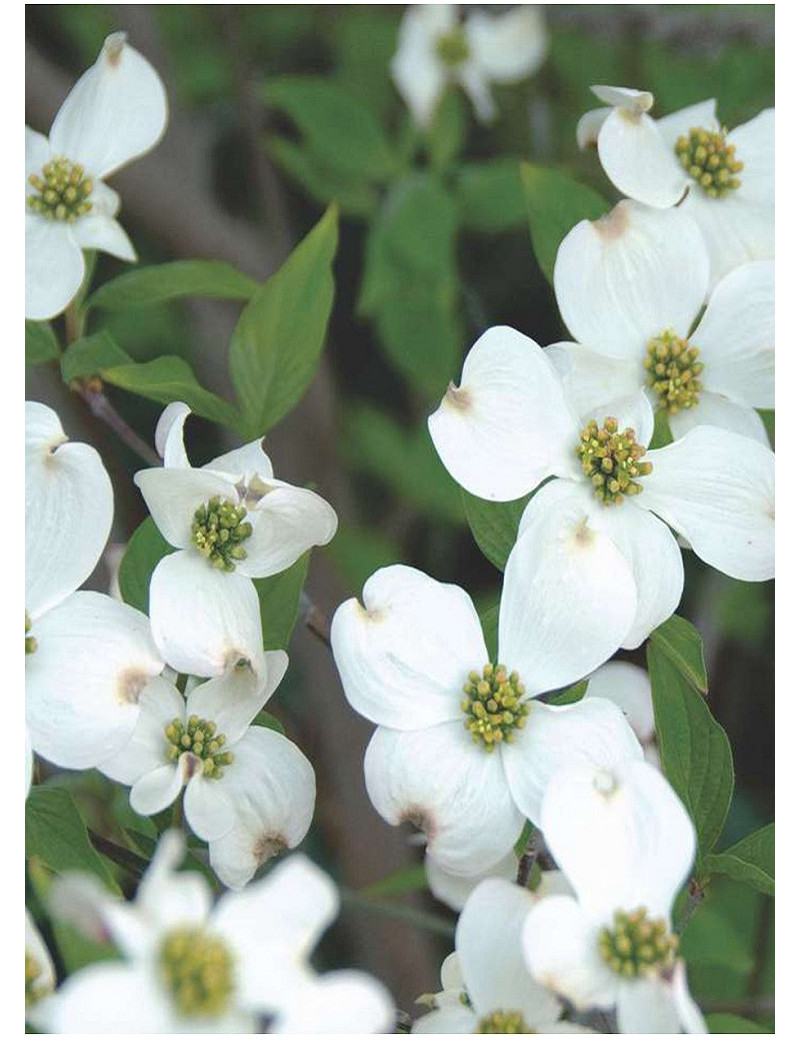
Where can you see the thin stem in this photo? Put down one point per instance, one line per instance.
(177, 813)
(697, 893)
(315, 620)
(415, 918)
(93, 394)
(123, 857)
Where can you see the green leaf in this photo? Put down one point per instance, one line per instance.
(407, 879)
(172, 281)
(269, 722)
(681, 642)
(571, 695)
(695, 752)
(41, 343)
(279, 598)
(419, 225)
(90, 355)
(279, 337)
(494, 525)
(144, 550)
(555, 204)
(489, 195)
(56, 835)
(724, 1022)
(356, 198)
(751, 860)
(358, 551)
(448, 131)
(490, 620)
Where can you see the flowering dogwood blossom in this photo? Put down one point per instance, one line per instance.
(190, 966)
(464, 749)
(510, 425)
(611, 945)
(630, 288)
(724, 181)
(436, 49)
(115, 113)
(454, 889)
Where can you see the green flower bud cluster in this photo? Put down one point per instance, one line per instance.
(200, 737)
(504, 1022)
(453, 47)
(636, 945)
(33, 973)
(672, 370)
(30, 641)
(197, 969)
(493, 705)
(612, 461)
(62, 191)
(709, 160)
(218, 531)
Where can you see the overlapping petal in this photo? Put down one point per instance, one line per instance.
(54, 267)
(509, 46)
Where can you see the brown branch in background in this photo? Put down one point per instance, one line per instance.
(91, 390)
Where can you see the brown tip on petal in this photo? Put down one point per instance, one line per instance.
(614, 224)
(583, 534)
(267, 846)
(130, 685)
(375, 614)
(457, 398)
(114, 46)
(419, 818)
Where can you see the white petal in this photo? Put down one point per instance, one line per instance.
(628, 686)
(116, 111)
(208, 806)
(755, 146)
(510, 46)
(96, 231)
(233, 700)
(560, 946)
(339, 1002)
(172, 496)
(677, 124)
(452, 1020)
(454, 889)
(272, 788)
(475, 83)
(287, 522)
(717, 489)
(418, 73)
(592, 731)
(508, 425)
(636, 160)
(627, 817)
(714, 410)
(82, 685)
(204, 621)
(111, 998)
(451, 789)
(157, 789)
(159, 703)
(245, 463)
(589, 125)
(169, 435)
(168, 898)
(54, 267)
(629, 98)
(634, 411)
(689, 1014)
(37, 153)
(736, 336)
(489, 945)
(568, 594)
(105, 202)
(736, 229)
(404, 656)
(69, 506)
(625, 278)
(81, 900)
(591, 379)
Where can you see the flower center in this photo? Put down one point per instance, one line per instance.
(494, 706)
(504, 1022)
(611, 459)
(672, 370)
(453, 47)
(218, 531)
(197, 969)
(33, 973)
(62, 191)
(709, 160)
(637, 945)
(30, 641)
(200, 737)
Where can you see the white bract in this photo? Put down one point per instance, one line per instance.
(628, 686)
(630, 288)
(724, 181)
(454, 889)
(248, 790)
(510, 425)
(611, 945)
(436, 49)
(115, 113)
(487, 987)
(190, 966)
(464, 749)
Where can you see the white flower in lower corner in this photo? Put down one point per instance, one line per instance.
(190, 966)
(486, 986)
(40, 974)
(454, 889)
(464, 749)
(612, 945)
(510, 425)
(436, 49)
(628, 686)
(115, 113)
(249, 791)
(726, 181)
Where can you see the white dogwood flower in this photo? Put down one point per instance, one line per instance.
(487, 987)
(115, 113)
(628, 686)
(454, 889)
(464, 749)
(724, 181)
(435, 49)
(190, 966)
(248, 790)
(612, 945)
(509, 426)
(630, 288)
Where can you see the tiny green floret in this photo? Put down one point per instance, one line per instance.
(710, 160)
(673, 368)
(218, 531)
(30, 641)
(453, 47)
(62, 191)
(200, 737)
(637, 945)
(197, 969)
(493, 705)
(504, 1022)
(611, 459)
